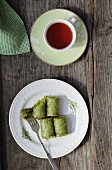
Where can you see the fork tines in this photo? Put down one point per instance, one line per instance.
(31, 120)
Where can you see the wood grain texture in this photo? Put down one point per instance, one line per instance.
(91, 75)
(102, 46)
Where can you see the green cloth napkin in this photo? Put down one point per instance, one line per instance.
(13, 36)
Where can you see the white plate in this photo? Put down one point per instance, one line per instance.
(77, 122)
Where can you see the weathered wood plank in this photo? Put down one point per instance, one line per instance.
(102, 46)
(1, 156)
(0, 121)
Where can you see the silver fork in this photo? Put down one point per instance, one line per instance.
(35, 127)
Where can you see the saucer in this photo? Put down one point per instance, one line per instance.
(50, 56)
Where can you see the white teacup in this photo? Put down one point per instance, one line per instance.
(69, 23)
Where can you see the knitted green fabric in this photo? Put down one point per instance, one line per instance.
(13, 36)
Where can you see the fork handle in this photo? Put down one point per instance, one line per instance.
(48, 155)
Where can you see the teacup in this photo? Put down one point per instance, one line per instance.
(60, 34)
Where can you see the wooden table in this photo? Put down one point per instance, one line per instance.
(91, 75)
